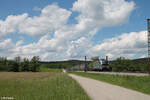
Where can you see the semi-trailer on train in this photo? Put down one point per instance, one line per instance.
(95, 64)
(100, 64)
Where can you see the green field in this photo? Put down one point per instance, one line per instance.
(138, 83)
(45, 69)
(40, 86)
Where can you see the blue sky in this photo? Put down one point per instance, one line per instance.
(128, 20)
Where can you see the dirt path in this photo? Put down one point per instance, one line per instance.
(98, 90)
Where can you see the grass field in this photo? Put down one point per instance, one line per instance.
(138, 83)
(40, 86)
(45, 69)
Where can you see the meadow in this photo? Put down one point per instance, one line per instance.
(40, 86)
(45, 69)
(138, 83)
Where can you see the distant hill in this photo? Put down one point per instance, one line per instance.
(61, 64)
(141, 60)
(71, 63)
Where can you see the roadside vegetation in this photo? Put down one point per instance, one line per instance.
(40, 86)
(25, 65)
(34, 65)
(138, 83)
(20, 65)
(126, 65)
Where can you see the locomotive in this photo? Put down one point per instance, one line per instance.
(100, 64)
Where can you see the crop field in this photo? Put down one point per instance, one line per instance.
(40, 86)
(138, 83)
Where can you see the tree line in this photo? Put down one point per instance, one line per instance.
(126, 65)
(20, 65)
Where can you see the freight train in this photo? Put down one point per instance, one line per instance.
(97, 65)
(101, 65)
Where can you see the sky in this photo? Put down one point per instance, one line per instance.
(71, 29)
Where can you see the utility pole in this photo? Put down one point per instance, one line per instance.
(148, 30)
(85, 68)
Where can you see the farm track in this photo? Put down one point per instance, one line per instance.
(98, 90)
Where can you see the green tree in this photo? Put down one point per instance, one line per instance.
(13, 66)
(121, 65)
(25, 65)
(3, 64)
(35, 66)
(17, 64)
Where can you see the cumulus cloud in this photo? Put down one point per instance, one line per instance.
(95, 14)
(11, 24)
(6, 44)
(127, 44)
(52, 17)
(19, 42)
(75, 40)
(79, 48)
(6, 47)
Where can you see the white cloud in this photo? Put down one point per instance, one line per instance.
(52, 18)
(6, 44)
(19, 42)
(110, 55)
(70, 41)
(95, 14)
(79, 48)
(6, 47)
(11, 24)
(127, 44)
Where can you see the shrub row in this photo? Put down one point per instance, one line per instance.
(20, 65)
(125, 65)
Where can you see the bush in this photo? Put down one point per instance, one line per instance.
(125, 65)
(3, 64)
(25, 65)
(13, 66)
(35, 66)
(18, 65)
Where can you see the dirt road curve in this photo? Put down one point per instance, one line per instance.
(98, 90)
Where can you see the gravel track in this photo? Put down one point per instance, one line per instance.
(98, 90)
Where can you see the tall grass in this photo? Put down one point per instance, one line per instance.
(138, 83)
(53, 87)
